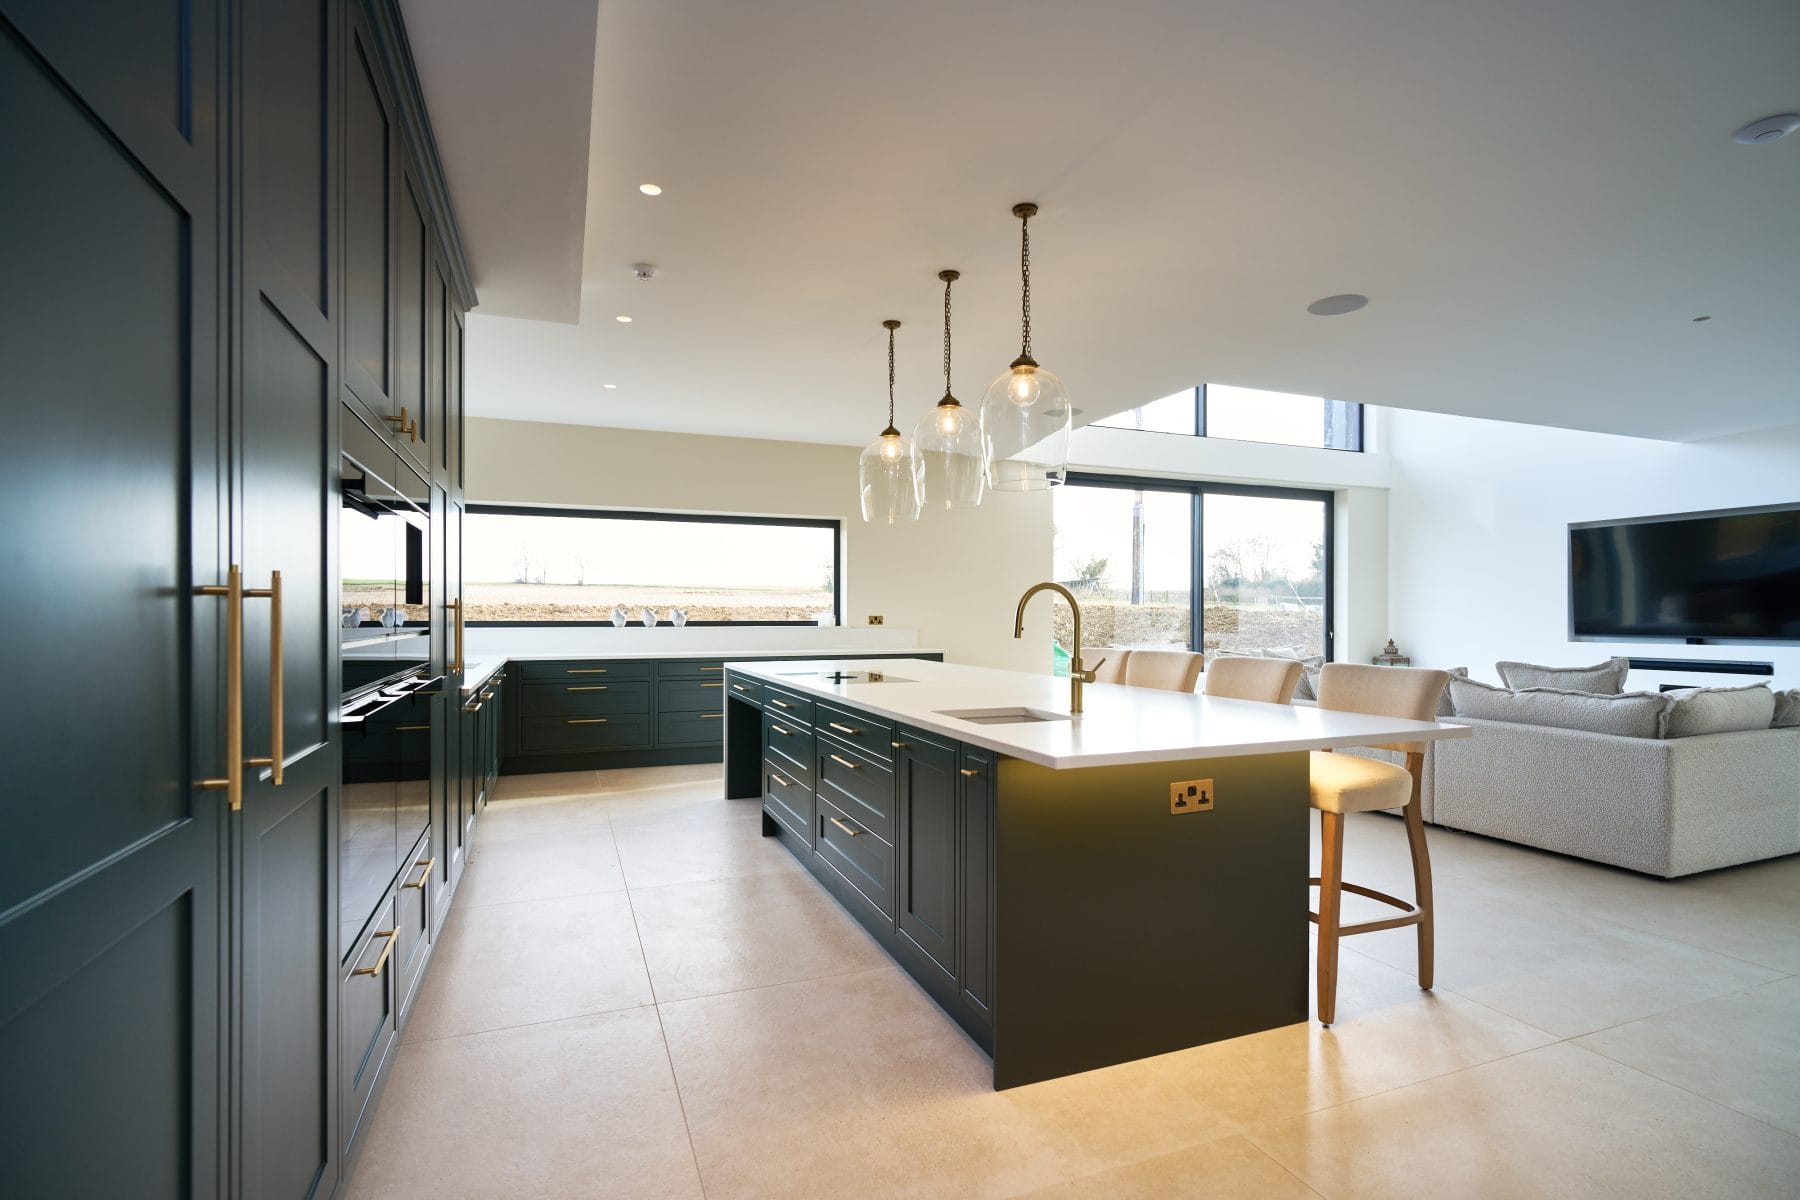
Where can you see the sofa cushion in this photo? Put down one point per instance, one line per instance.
(1633, 714)
(1787, 709)
(1606, 678)
(1720, 710)
(1445, 707)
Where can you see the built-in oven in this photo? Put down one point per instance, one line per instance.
(391, 707)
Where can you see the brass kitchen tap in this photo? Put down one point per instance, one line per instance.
(1078, 674)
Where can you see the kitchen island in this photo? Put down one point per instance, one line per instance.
(1074, 890)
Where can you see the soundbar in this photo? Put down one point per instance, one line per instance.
(1702, 666)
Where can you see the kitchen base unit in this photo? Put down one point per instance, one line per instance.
(1046, 879)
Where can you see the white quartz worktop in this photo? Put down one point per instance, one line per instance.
(1120, 725)
(734, 655)
(477, 671)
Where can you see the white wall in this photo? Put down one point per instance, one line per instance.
(1478, 516)
(955, 577)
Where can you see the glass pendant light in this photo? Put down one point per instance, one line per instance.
(1025, 415)
(948, 452)
(890, 489)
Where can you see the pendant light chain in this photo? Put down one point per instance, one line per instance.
(947, 283)
(1025, 282)
(891, 326)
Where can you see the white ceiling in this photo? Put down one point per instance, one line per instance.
(1537, 196)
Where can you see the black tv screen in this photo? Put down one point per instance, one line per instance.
(1720, 576)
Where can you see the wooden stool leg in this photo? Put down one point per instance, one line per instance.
(1421, 865)
(1331, 895)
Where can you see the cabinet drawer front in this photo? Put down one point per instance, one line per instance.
(788, 800)
(789, 745)
(584, 699)
(412, 916)
(691, 728)
(591, 670)
(538, 734)
(742, 687)
(858, 854)
(366, 1000)
(685, 668)
(869, 734)
(791, 705)
(860, 786)
(691, 695)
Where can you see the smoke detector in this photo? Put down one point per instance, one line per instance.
(1769, 129)
(643, 271)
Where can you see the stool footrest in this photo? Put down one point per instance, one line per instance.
(1413, 915)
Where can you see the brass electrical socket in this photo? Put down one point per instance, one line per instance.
(1191, 795)
(876, 618)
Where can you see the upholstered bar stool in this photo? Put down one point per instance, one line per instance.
(1270, 680)
(1170, 670)
(1347, 783)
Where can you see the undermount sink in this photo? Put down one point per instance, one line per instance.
(1001, 716)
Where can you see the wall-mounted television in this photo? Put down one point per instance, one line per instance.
(1728, 576)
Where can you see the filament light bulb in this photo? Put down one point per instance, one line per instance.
(1023, 388)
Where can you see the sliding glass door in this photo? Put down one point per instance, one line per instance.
(1196, 565)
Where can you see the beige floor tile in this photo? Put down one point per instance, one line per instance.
(1742, 1050)
(859, 1081)
(654, 854)
(537, 816)
(1561, 971)
(1388, 1033)
(577, 863)
(729, 934)
(547, 784)
(660, 779)
(565, 1110)
(500, 965)
(704, 803)
(1230, 1168)
(1557, 1121)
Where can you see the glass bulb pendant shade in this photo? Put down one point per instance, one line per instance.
(1027, 443)
(951, 457)
(888, 478)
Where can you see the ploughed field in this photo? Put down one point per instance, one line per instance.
(1228, 626)
(595, 602)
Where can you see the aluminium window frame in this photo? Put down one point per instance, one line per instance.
(1199, 489)
(1355, 439)
(531, 510)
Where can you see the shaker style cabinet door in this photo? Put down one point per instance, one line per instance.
(111, 865)
(927, 841)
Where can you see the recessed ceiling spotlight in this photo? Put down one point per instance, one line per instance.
(1769, 129)
(649, 189)
(1697, 320)
(622, 319)
(1337, 306)
(609, 386)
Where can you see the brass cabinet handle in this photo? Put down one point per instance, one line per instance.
(584, 671)
(899, 745)
(845, 762)
(487, 695)
(586, 687)
(401, 424)
(845, 826)
(392, 936)
(968, 772)
(235, 593)
(712, 668)
(456, 607)
(738, 687)
(778, 703)
(774, 778)
(710, 715)
(586, 721)
(844, 729)
(412, 728)
(720, 685)
(473, 708)
(419, 883)
(781, 731)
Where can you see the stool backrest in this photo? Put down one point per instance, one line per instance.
(1170, 670)
(1270, 680)
(1112, 660)
(1406, 692)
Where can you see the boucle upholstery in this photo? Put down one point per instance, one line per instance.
(1270, 680)
(1605, 678)
(1635, 714)
(1664, 807)
(1720, 710)
(1787, 709)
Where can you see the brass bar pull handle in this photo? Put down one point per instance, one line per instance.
(586, 721)
(419, 883)
(412, 729)
(781, 731)
(487, 695)
(711, 715)
(776, 779)
(474, 708)
(845, 826)
(718, 685)
(586, 687)
(233, 782)
(584, 671)
(844, 729)
(277, 672)
(845, 763)
(968, 772)
(403, 424)
(899, 745)
(779, 703)
(712, 668)
(738, 687)
(456, 606)
(392, 936)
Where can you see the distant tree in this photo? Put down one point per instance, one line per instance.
(522, 565)
(1090, 576)
(580, 563)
